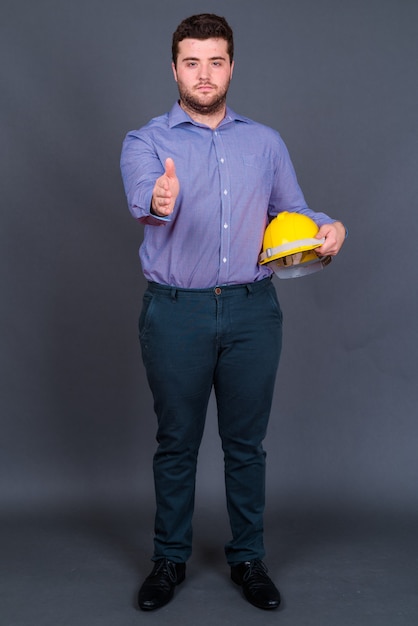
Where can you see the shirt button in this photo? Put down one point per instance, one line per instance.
(222, 160)
(224, 259)
(225, 225)
(225, 192)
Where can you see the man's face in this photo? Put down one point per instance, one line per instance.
(203, 72)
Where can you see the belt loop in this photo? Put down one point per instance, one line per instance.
(249, 289)
(173, 294)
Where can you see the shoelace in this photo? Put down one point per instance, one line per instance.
(257, 568)
(165, 569)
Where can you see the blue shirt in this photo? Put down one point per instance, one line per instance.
(233, 181)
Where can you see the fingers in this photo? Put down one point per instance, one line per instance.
(162, 202)
(334, 238)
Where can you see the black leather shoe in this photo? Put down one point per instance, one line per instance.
(158, 588)
(258, 588)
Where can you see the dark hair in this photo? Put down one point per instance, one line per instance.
(203, 26)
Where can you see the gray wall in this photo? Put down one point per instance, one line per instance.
(338, 79)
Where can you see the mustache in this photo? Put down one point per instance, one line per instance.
(205, 83)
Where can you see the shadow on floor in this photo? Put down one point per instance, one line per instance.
(84, 568)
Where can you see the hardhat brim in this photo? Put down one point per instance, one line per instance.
(292, 247)
(299, 269)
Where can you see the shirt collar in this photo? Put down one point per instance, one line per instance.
(178, 116)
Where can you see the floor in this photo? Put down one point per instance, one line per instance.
(332, 570)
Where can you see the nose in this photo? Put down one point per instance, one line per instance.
(204, 72)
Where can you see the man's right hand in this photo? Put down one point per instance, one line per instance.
(166, 190)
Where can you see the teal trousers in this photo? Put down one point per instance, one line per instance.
(227, 339)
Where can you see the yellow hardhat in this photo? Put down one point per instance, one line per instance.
(289, 244)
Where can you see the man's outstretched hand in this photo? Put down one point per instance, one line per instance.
(166, 190)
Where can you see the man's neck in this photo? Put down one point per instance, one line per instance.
(210, 119)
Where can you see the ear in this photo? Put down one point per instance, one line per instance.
(232, 68)
(173, 67)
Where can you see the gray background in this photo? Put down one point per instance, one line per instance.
(338, 79)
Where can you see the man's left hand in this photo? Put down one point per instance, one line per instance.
(334, 238)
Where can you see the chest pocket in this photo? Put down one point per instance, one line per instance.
(258, 161)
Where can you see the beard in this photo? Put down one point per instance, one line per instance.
(199, 105)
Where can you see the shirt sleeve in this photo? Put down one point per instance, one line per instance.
(140, 167)
(287, 194)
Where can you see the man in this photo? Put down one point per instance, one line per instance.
(206, 182)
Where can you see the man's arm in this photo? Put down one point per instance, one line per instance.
(142, 171)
